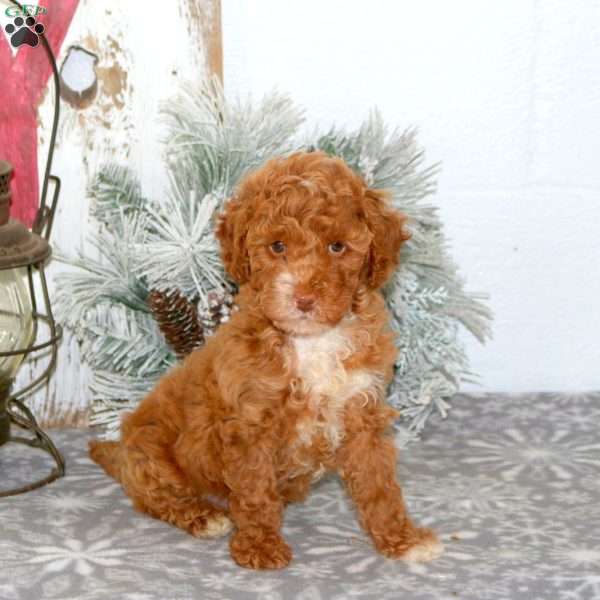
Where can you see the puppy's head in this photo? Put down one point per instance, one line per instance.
(306, 234)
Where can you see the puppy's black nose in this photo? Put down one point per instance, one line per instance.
(305, 302)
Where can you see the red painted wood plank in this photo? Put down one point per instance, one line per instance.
(23, 78)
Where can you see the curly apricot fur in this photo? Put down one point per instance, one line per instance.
(286, 390)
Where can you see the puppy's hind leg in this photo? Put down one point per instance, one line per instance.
(108, 456)
(158, 487)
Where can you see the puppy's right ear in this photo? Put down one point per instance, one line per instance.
(231, 232)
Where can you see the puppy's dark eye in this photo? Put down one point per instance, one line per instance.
(278, 247)
(337, 248)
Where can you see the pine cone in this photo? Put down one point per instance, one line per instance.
(178, 320)
(218, 310)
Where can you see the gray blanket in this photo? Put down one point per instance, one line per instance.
(512, 484)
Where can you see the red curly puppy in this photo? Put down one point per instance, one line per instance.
(293, 385)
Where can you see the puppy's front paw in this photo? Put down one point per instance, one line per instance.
(260, 550)
(412, 545)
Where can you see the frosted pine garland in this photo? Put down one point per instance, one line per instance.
(144, 245)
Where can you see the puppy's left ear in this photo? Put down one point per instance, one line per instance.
(231, 231)
(387, 227)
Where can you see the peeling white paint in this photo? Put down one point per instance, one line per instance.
(142, 57)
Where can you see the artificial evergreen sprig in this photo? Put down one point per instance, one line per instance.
(168, 247)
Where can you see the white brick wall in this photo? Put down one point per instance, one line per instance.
(507, 95)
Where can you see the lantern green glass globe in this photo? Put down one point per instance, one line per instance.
(16, 331)
(16, 321)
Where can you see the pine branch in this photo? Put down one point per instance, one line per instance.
(111, 277)
(212, 143)
(115, 190)
(181, 251)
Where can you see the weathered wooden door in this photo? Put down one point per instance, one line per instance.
(119, 62)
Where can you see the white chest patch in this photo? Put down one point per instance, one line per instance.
(326, 384)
